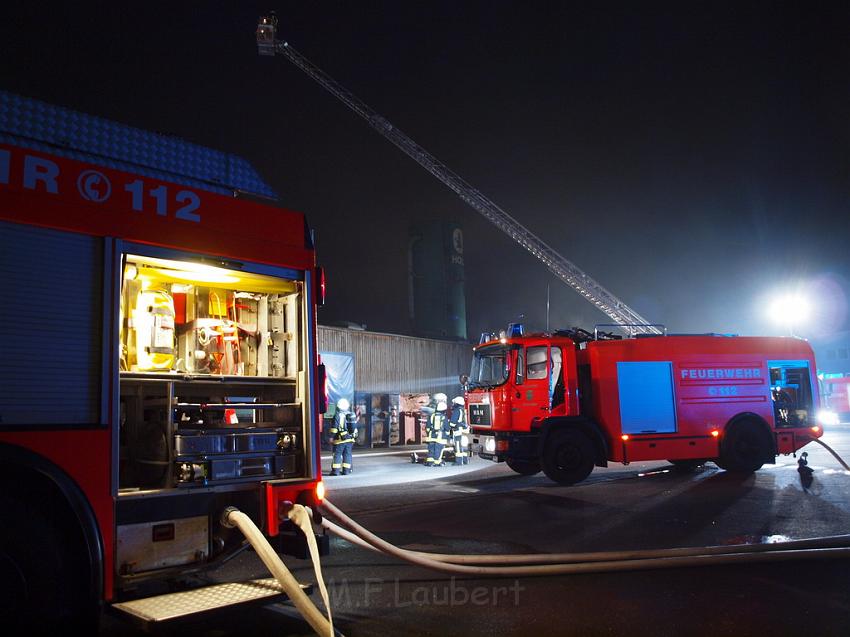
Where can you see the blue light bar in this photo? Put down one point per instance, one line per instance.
(515, 329)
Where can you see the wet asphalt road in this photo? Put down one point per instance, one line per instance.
(485, 508)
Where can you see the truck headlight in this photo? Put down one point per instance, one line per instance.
(490, 444)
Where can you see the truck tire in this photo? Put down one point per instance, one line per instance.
(523, 467)
(41, 590)
(568, 457)
(745, 448)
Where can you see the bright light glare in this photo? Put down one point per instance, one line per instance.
(791, 309)
(827, 417)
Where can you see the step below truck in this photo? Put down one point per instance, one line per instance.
(571, 400)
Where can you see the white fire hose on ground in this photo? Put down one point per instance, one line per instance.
(602, 562)
(530, 565)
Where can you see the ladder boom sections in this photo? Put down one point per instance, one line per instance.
(565, 270)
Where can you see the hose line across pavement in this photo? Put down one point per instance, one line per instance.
(573, 563)
(542, 564)
(528, 565)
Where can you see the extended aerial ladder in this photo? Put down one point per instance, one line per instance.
(568, 272)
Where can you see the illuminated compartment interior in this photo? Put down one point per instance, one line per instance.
(202, 319)
(211, 384)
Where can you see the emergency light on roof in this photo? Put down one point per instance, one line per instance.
(515, 329)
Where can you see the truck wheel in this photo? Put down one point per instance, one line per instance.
(568, 457)
(686, 466)
(523, 467)
(41, 587)
(745, 447)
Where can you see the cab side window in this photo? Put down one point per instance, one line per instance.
(536, 362)
(556, 380)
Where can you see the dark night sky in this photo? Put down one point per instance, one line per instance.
(691, 157)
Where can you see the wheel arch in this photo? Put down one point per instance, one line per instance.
(585, 425)
(27, 475)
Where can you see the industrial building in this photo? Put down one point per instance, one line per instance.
(389, 376)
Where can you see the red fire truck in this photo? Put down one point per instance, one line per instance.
(568, 401)
(159, 365)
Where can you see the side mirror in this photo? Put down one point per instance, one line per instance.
(464, 380)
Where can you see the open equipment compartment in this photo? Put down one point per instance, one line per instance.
(211, 380)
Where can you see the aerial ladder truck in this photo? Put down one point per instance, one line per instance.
(568, 401)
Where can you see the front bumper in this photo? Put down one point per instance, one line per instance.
(498, 446)
(484, 446)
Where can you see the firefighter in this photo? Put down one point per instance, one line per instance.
(343, 434)
(459, 430)
(436, 432)
(428, 410)
(783, 406)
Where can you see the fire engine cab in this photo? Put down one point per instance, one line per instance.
(571, 400)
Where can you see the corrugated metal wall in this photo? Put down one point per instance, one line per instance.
(390, 363)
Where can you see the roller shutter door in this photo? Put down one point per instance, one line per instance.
(51, 311)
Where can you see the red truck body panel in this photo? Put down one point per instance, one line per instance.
(57, 192)
(714, 380)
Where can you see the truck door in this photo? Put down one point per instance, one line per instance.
(531, 400)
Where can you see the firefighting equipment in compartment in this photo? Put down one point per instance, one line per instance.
(435, 435)
(459, 431)
(244, 312)
(215, 346)
(228, 357)
(343, 434)
(153, 321)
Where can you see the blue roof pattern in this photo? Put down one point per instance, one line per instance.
(61, 131)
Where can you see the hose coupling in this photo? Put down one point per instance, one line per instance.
(225, 517)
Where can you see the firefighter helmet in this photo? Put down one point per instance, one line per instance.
(441, 406)
(457, 400)
(440, 397)
(343, 404)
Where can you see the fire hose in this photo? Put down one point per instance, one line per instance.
(538, 564)
(830, 450)
(529, 565)
(601, 562)
(299, 515)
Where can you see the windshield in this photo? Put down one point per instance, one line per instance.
(489, 367)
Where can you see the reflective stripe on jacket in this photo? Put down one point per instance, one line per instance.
(344, 428)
